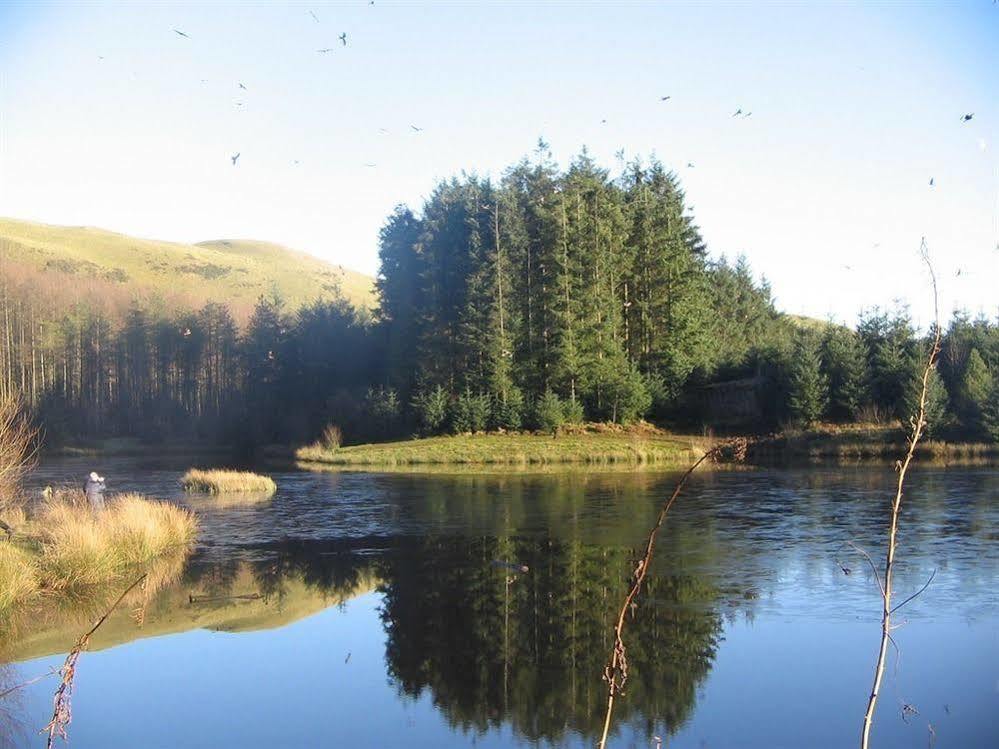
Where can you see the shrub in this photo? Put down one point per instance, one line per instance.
(382, 407)
(572, 411)
(990, 411)
(17, 439)
(508, 413)
(631, 397)
(469, 413)
(331, 438)
(548, 412)
(431, 408)
(220, 482)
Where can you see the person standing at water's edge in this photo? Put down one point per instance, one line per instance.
(94, 489)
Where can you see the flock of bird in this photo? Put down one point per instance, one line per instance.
(323, 51)
(342, 38)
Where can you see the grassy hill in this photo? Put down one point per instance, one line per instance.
(235, 271)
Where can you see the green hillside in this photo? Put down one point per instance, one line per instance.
(235, 271)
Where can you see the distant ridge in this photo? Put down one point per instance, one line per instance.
(234, 271)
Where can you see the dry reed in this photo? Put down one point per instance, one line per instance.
(225, 482)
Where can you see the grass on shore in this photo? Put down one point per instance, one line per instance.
(67, 546)
(864, 442)
(228, 482)
(589, 448)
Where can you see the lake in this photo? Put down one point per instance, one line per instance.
(384, 610)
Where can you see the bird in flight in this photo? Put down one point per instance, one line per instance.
(416, 129)
(665, 98)
(314, 16)
(967, 117)
(383, 131)
(369, 165)
(234, 159)
(737, 112)
(690, 164)
(324, 50)
(931, 181)
(343, 38)
(242, 86)
(748, 114)
(181, 33)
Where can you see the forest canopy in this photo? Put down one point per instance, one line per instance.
(552, 295)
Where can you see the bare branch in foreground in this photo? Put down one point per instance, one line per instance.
(62, 713)
(918, 428)
(616, 671)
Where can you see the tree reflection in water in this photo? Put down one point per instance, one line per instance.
(492, 645)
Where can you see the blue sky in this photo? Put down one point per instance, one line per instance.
(825, 188)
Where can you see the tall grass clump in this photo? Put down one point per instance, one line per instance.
(225, 482)
(80, 547)
(18, 577)
(331, 438)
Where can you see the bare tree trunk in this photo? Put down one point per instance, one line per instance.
(918, 427)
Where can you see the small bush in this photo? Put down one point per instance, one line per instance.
(331, 438)
(548, 412)
(572, 411)
(382, 408)
(469, 413)
(508, 413)
(223, 482)
(431, 408)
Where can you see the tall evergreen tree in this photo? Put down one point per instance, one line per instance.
(808, 387)
(845, 365)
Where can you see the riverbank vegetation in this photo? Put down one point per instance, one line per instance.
(227, 482)
(65, 547)
(589, 447)
(551, 295)
(60, 544)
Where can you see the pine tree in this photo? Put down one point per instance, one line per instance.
(808, 387)
(845, 365)
(990, 411)
(972, 391)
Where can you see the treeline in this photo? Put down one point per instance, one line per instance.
(559, 296)
(550, 296)
(561, 291)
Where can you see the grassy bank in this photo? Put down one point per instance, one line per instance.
(228, 482)
(65, 547)
(863, 442)
(584, 448)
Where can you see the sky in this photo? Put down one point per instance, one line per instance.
(110, 118)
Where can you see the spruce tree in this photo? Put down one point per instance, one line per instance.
(845, 365)
(972, 391)
(808, 387)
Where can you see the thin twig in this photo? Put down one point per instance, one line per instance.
(61, 711)
(925, 586)
(918, 427)
(874, 569)
(616, 671)
(27, 683)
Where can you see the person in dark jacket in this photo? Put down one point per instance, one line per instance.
(94, 489)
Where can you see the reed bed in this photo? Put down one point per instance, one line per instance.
(18, 577)
(79, 547)
(228, 482)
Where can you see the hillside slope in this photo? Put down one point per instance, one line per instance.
(234, 271)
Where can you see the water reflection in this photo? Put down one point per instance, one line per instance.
(491, 644)
(747, 595)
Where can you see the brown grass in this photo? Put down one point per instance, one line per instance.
(79, 547)
(226, 482)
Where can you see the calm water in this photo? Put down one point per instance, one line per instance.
(368, 610)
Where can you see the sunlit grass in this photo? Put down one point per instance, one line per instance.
(80, 547)
(228, 482)
(590, 448)
(18, 577)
